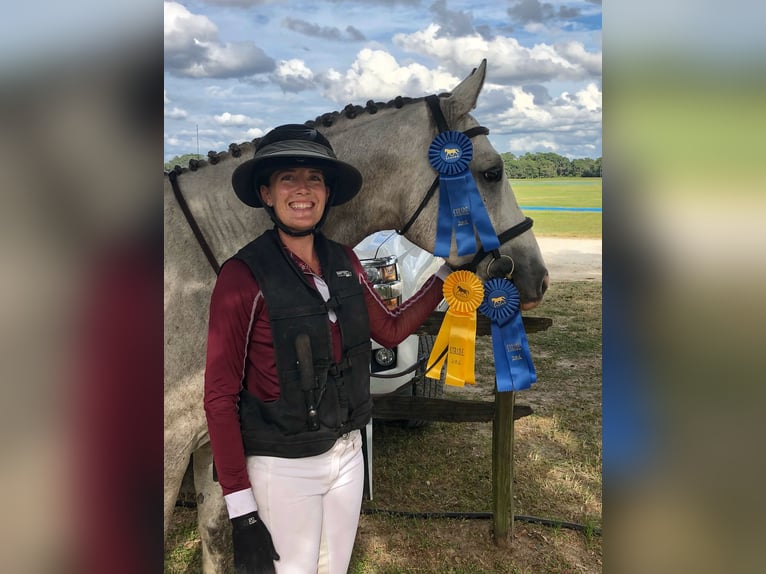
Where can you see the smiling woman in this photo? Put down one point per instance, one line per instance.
(287, 381)
(297, 195)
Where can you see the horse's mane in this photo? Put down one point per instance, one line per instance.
(325, 120)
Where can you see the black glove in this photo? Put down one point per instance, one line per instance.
(254, 552)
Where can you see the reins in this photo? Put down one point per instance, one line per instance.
(199, 236)
(505, 236)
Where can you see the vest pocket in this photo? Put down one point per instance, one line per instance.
(288, 414)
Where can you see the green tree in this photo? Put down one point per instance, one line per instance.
(182, 160)
(562, 165)
(581, 166)
(549, 164)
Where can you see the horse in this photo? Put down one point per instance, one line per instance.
(205, 224)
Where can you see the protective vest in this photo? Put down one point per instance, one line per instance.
(317, 406)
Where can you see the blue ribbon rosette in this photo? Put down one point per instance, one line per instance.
(460, 205)
(514, 370)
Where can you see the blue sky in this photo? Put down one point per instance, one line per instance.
(236, 68)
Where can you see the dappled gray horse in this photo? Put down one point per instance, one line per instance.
(389, 144)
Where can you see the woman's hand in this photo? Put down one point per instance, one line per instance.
(254, 551)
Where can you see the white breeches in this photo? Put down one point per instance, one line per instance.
(311, 505)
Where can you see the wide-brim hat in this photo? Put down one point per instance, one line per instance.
(289, 146)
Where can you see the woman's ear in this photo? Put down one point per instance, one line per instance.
(266, 195)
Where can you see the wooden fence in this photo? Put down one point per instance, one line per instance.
(502, 411)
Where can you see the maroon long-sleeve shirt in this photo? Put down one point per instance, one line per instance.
(240, 348)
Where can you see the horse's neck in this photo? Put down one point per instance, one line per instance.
(389, 149)
(226, 223)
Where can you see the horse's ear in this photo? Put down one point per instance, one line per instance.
(464, 96)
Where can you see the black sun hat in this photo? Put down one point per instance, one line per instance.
(294, 145)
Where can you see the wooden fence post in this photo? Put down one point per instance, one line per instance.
(502, 468)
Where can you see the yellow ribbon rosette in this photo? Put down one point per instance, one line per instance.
(456, 341)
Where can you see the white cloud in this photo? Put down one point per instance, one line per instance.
(293, 76)
(532, 144)
(589, 98)
(182, 28)
(568, 124)
(219, 92)
(175, 114)
(376, 75)
(535, 28)
(456, 53)
(576, 54)
(192, 48)
(227, 119)
(507, 59)
(524, 107)
(253, 133)
(562, 113)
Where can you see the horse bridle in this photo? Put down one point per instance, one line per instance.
(196, 230)
(505, 236)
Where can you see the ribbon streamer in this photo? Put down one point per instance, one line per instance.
(461, 208)
(514, 370)
(457, 335)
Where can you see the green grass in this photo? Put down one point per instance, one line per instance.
(183, 549)
(559, 192)
(562, 192)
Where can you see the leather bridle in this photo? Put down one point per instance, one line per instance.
(196, 230)
(505, 236)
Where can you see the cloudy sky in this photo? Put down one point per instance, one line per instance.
(236, 68)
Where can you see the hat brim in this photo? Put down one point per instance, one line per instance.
(344, 180)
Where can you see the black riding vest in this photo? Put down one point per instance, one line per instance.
(312, 410)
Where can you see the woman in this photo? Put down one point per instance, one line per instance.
(287, 377)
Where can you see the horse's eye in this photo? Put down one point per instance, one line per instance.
(494, 174)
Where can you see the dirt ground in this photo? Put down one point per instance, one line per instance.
(571, 259)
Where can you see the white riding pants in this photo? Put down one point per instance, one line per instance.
(311, 505)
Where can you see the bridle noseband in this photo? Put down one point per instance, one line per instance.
(505, 236)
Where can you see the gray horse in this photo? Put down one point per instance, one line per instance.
(389, 144)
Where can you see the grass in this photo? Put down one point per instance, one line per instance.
(562, 192)
(183, 549)
(445, 467)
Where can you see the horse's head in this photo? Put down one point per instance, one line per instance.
(520, 253)
(392, 153)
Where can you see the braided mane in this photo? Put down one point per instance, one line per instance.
(325, 120)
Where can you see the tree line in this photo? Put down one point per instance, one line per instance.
(549, 164)
(182, 160)
(527, 166)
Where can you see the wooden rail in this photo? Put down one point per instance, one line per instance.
(396, 407)
(502, 412)
(434, 322)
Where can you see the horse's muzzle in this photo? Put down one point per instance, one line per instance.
(526, 306)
